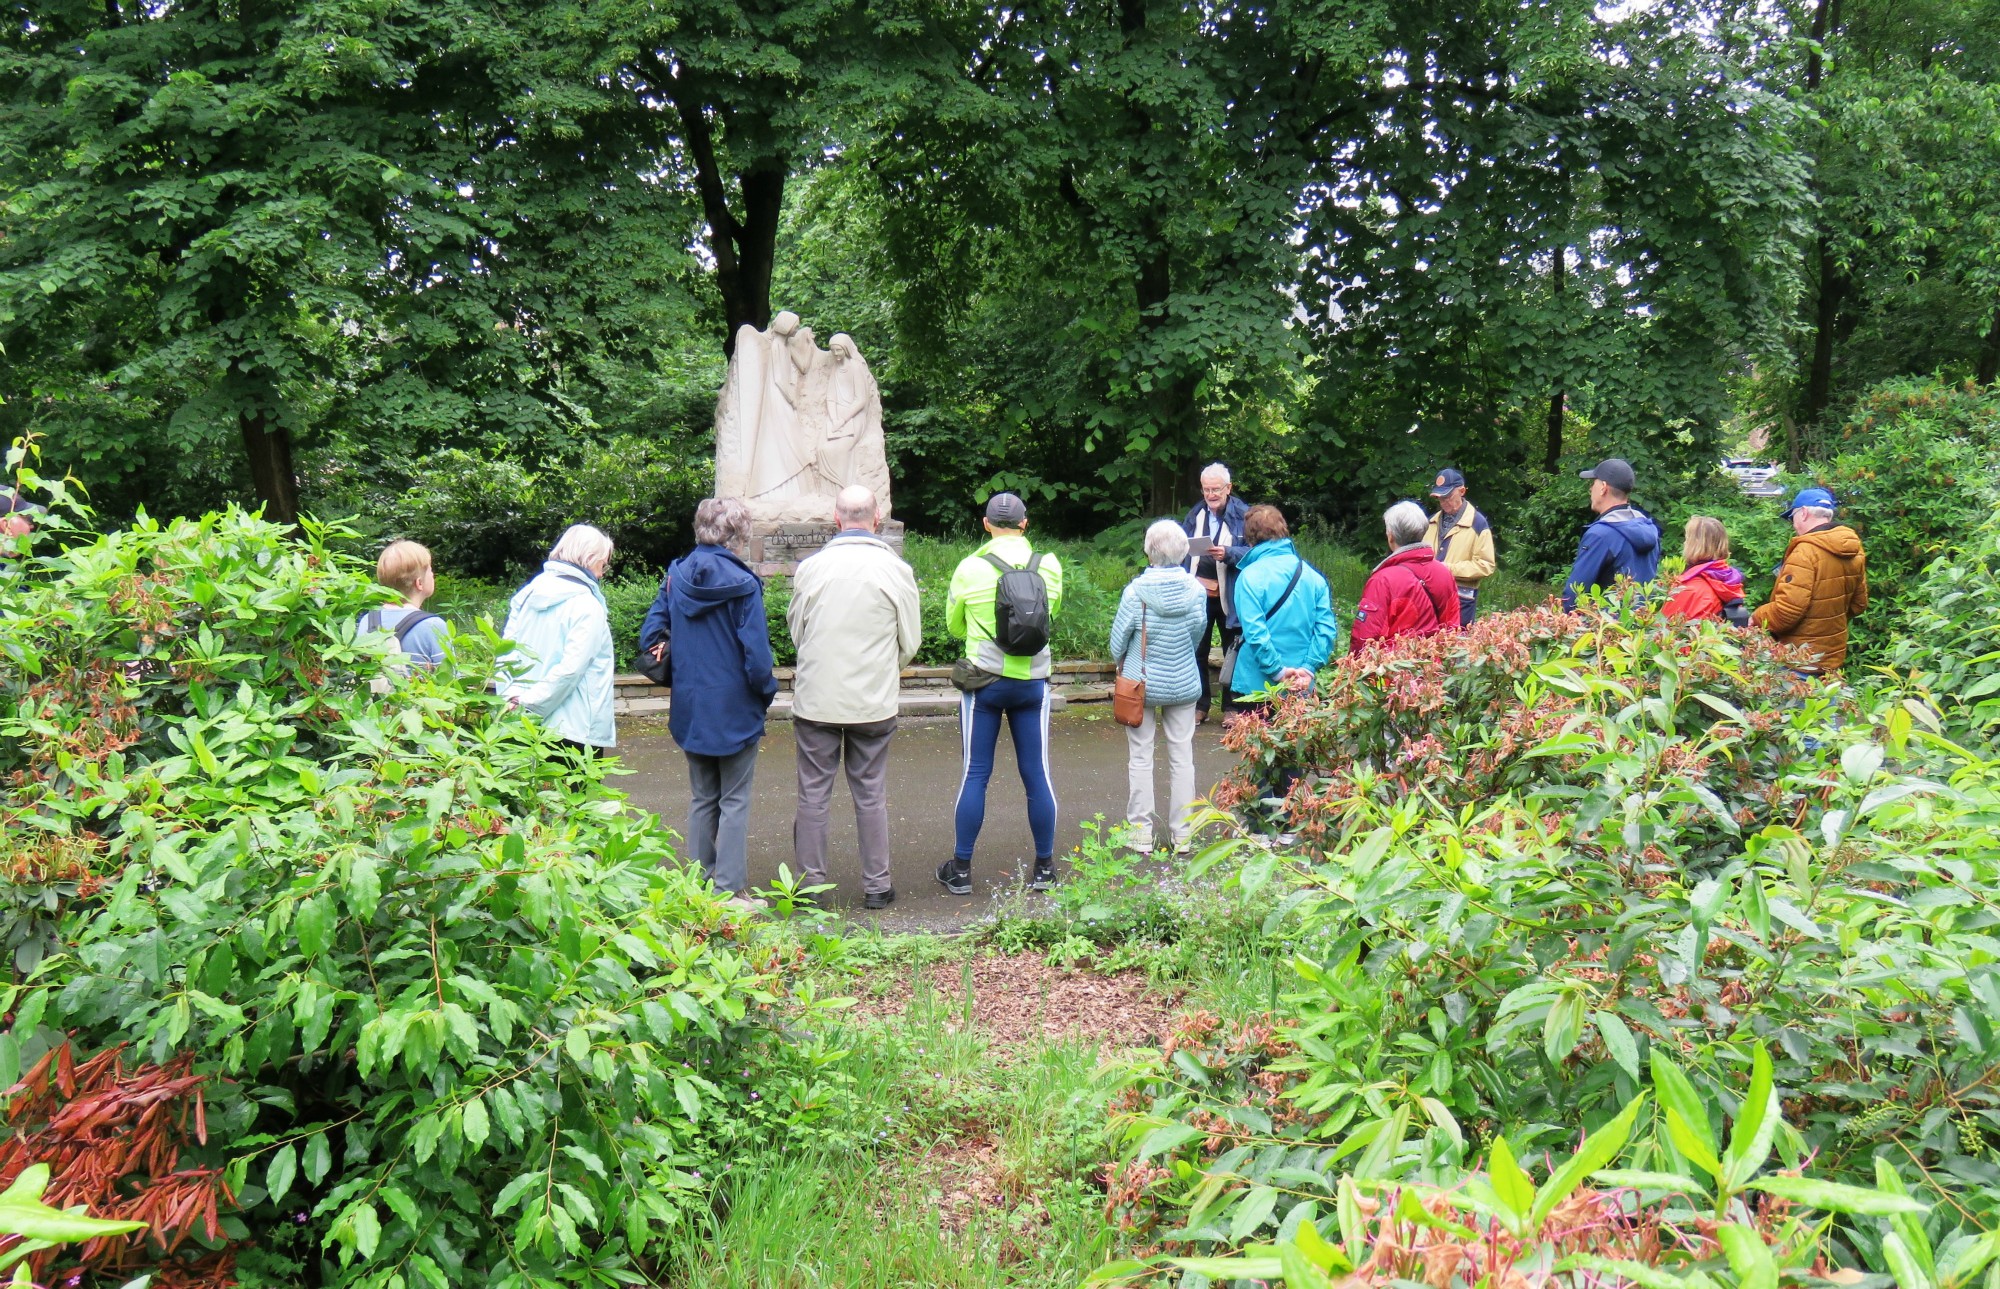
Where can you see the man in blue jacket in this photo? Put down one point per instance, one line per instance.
(1215, 548)
(1623, 541)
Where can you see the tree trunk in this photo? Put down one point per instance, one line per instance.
(1988, 369)
(745, 250)
(1172, 401)
(269, 448)
(1819, 377)
(1552, 448)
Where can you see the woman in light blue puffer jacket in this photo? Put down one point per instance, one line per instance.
(1168, 608)
(562, 633)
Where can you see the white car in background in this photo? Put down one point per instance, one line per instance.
(1756, 478)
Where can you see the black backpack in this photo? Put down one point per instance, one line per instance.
(1020, 608)
(1736, 613)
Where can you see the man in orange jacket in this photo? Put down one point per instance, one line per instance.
(1822, 584)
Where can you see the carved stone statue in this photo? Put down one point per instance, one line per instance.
(796, 423)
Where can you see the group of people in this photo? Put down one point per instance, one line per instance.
(1225, 582)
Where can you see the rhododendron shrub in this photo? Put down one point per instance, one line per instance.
(1584, 704)
(442, 1009)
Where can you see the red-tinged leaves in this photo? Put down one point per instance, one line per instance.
(113, 1140)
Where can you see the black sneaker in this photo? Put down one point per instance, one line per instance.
(1044, 877)
(881, 899)
(956, 875)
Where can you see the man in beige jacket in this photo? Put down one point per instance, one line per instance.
(1463, 541)
(856, 623)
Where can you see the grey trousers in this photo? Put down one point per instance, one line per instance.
(718, 831)
(1177, 724)
(866, 748)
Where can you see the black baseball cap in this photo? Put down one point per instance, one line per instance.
(1007, 510)
(1447, 480)
(1614, 471)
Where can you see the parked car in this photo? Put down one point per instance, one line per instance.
(1756, 478)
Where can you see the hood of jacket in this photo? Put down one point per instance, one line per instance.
(1635, 526)
(559, 582)
(709, 577)
(1839, 540)
(1717, 571)
(1170, 592)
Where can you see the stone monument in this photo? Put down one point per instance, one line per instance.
(793, 426)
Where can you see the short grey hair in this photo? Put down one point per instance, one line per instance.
(722, 521)
(1406, 523)
(1818, 514)
(1166, 543)
(1215, 469)
(855, 504)
(584, 546)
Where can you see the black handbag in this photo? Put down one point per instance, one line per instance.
(660, 671)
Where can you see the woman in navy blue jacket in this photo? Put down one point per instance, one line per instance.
(720, 652)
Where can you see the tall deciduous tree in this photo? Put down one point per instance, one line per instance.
(250, 221)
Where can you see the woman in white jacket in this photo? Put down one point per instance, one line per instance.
(561, 631)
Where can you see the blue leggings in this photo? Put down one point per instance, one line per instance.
(1025, 705)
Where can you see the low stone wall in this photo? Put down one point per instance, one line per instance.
(926, 690)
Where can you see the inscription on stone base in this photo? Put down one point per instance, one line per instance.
(775, 549)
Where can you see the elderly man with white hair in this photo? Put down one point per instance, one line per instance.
(1162, 620)
(856, 623)
(561, 631)
(1215, 547)
(1410, 593)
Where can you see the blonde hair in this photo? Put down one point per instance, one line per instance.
(1706, 539)
(582, 546)
(402, 565)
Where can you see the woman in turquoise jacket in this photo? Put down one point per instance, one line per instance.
(1285, 609)
(562, 636)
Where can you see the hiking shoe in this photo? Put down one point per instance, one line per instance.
(1044, 877)
(746, 904)
(956, 876)
(883, 899)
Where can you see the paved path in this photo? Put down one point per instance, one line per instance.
(1088, 757)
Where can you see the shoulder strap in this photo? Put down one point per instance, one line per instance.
(1290, 586)
(371, 620)
(404, 627)
(1001, 564)
(1035, 563)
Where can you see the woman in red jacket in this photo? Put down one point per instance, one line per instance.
(1710, 588)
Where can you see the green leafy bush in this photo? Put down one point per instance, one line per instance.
(1951, 642)
(1543, 861)
(469, 1021)
(490, 517)
(1916, 475)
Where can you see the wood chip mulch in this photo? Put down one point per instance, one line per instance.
(1021, 999)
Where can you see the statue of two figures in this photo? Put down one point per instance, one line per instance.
(796, 423)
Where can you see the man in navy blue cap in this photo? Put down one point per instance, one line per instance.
(1622, 542)
(1463, 541)
(1821, 585)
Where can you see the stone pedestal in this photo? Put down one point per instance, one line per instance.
(775, 549)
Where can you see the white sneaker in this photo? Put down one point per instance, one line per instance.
(747, 903)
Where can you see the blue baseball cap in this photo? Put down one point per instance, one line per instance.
(1817, 498)
(1446, 481)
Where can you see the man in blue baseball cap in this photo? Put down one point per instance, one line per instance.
(1463, 541)
(1821, 585)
